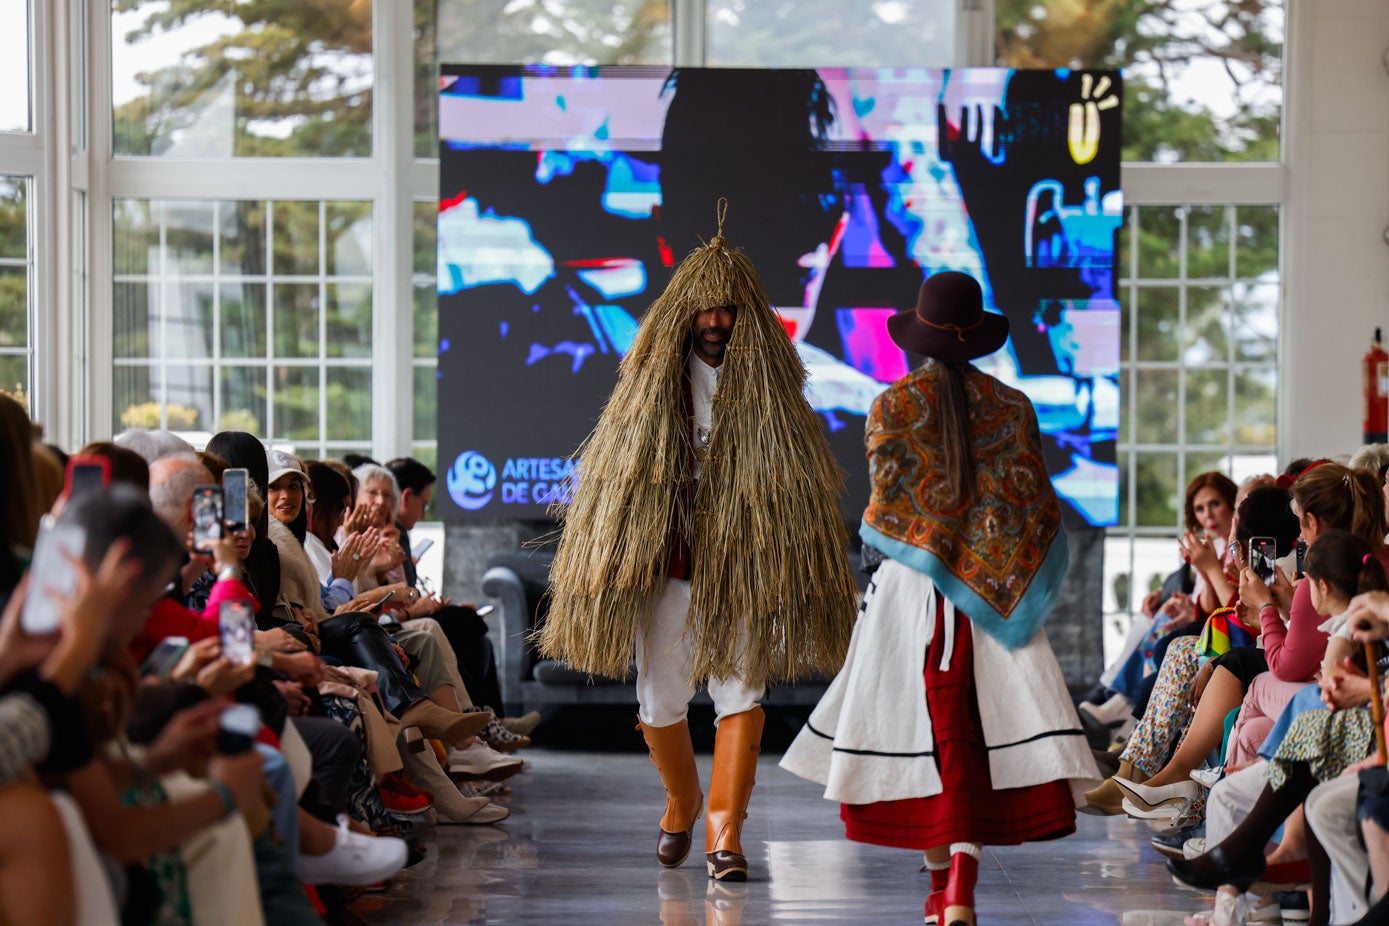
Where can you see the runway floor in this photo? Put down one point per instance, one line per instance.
(578, 849)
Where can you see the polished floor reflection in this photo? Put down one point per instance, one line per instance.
(578, 849)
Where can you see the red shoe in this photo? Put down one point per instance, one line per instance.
(933, 902)
(400, 796)
(957, 900)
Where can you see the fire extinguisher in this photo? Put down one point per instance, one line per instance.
(1375, 373)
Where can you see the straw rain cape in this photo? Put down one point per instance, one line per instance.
(767, 540)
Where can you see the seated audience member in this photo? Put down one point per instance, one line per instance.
(1374, 458)
(355, 638)
(152, 444)
(1223, 679)
(465, 630)
(1210, 504)
(244, 451)
(127, 466)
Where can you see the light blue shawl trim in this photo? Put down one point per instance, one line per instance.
(1032, 610)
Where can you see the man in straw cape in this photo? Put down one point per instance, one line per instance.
(704, 538)
(950, 726)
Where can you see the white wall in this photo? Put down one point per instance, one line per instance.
(1336, 260)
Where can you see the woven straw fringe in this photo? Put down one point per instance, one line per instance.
(768, 542)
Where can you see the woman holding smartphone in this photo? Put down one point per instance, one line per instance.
(355, 638)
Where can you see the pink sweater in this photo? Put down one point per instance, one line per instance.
(1295, 650)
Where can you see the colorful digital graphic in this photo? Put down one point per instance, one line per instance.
(568, 194)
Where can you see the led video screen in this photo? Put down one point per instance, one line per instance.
(568, 194)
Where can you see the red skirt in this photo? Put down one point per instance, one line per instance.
(968, 809)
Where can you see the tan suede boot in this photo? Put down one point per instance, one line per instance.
(673, 755)
(736, 745)
(1107, 800)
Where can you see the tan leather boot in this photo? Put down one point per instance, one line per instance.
(673, 755)
(736, 745)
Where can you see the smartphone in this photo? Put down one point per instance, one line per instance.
(84, 474)
(238, 627)
(376, 605)
(237, 728)
(1301, 555)
(207, 517)
(51, 577)
(419, 549)
(234, 511)
(1263, 553)
(165, 655)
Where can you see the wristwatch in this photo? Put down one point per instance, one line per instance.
(265, 657)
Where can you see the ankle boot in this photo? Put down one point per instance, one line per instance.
(957, 902)
(439, 723)
(1107, 800)
(736, 746)
(673, 755)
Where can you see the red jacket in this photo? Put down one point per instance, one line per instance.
(169, 618)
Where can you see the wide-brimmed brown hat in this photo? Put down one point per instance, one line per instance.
(949, 322)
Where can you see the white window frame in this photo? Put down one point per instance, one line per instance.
(71, 208)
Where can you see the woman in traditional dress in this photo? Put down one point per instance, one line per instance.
(968, 529)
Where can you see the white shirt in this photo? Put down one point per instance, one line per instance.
(320, 557)
(704, 382)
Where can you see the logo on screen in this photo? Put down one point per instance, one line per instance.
(471, 480)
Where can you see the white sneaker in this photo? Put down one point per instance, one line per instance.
(482, 761)
(355, 860)
(482, 788)
(490, 812)
(1111, 713)
(1207, 777)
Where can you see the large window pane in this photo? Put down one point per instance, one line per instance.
(349, 320)
(135, 319)
(1159, 490)
(296, 238)
(14, 377)
(1158, 313)
(254, 78)
(242, 400)
(1157, 406)
(296, 320)
(1203, 81)
(136, 233)
(297, 415)
(560, 33)
(821, 33)
(134, 401)
(426, 402)
(14, 227)
(243, 319)
(348, 404)
(14, 306)
(426, 79)
(14, 67)
(189, 323)
(207, 339)
(426, 294)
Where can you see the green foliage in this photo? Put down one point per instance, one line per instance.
(554, 31)
(298, 73)
(1155, 41)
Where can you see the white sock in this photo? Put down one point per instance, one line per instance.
(966, 848)
(935, 866)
